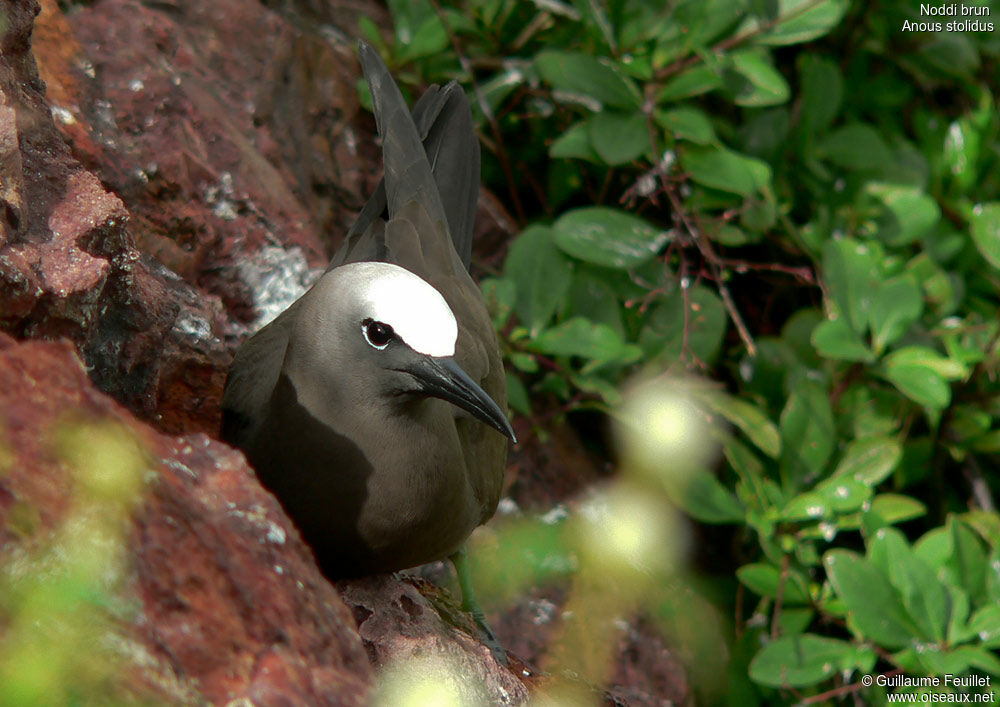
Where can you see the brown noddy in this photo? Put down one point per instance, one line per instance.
(374, 406)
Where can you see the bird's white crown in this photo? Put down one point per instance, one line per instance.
(416, 311)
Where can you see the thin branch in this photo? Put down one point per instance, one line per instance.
(715, 264)
(500, 150)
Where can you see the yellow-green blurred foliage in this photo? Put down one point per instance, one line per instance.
(431, 680)
(623, 549)
(60, 589)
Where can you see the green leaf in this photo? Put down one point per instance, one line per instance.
(496, 89)
(687, 123)
(517, 395)
(822, 91)
(924, 597)
(794, 621)
(798, 21)
(763, 85)
(765, 579)
(581, 337)
(854, 146)
(872, 603)
(799, 661)
(895, 508)
(708, 501)
(758, 214)
(951, 55)
(851, 275)
(844, 495)
(500, 295)
(962, 147)
(576, 72)
(870, 460)
(929, 358)
(910, 213)
(591, 296)
(695, 81)
(726, 170)
(524, 362)
(806, 507)
(754, 423)
(985, 226)
(575, 144)
(985, 625)
(619, 138)
(609, 394)
(968, 560)
(834, 338)
(542, 275)
(662, 337)
(921, 384)
(957, 661)
(419, 31)
(807, 434)
(897, 305)
(608, 237)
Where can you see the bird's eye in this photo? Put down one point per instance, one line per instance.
(376, 333)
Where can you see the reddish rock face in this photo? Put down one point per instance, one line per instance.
(170, 174)
(232, 604)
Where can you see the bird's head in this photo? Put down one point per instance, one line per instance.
(375, 329)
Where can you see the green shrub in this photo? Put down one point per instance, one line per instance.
(798, 198)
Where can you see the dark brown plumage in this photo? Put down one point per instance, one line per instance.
(380, 454)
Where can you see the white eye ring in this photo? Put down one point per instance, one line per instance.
(377, 334)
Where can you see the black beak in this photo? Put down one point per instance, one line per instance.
(444, 378)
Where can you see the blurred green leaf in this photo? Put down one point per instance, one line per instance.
(910, 212)
(985, 227)
(961, 152)
(608, 237)
(895, 508)
(419, 32)
(854, 146)
(924, 597)
(575, 143)
(726, 170)
(844, 494)
(517, 395)
(807, 433)
(695, 81)
(873, 604)
(762, 84)
(705, 499)
(985, 625)
(619, 138)
(663, 335)
(591, 296)
(797, 21)
(896, 306)
(920, 384)
(765, 580)
(580, 73)
(754, 423)
(799, 661)
(805, 507)
(950, 54)
(541, 274)
(834, 338)
(967, 562)
(822, 93)
(851, 274)
(870, 460)
(687, 123)
(501, 296)
(582, 337)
